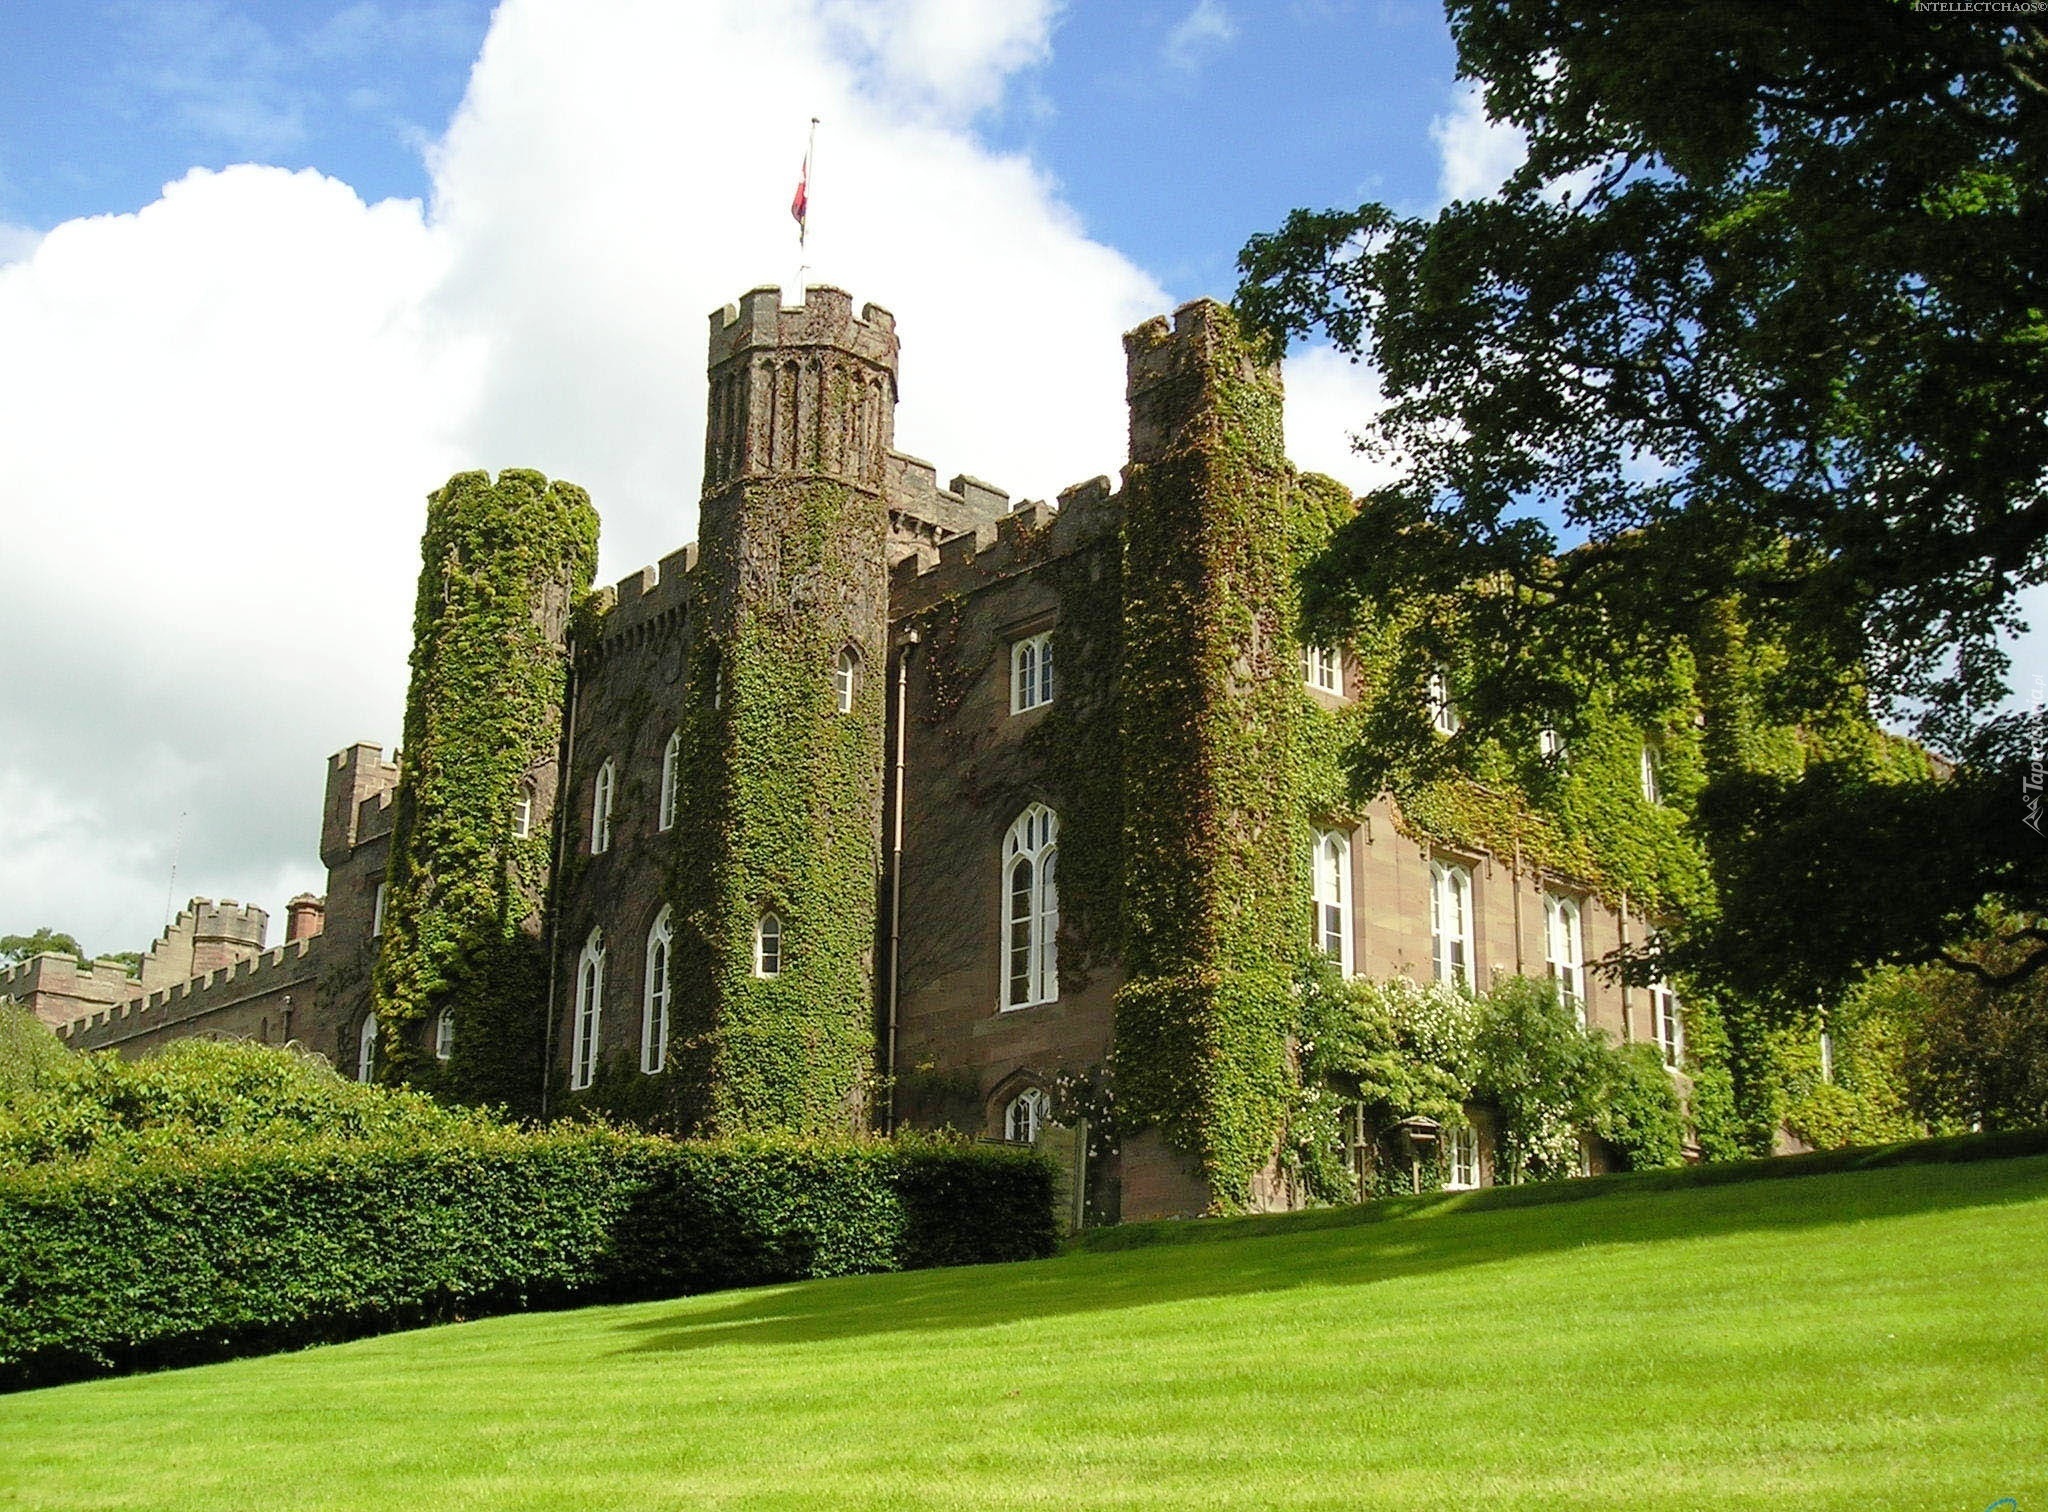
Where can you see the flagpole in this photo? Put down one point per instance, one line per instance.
(803, 220)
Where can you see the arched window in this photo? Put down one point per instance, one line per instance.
(654, 997)
(1031, 908)
(1333, 897)
(601, 810)
(366, 1049)
(1443, 714)
(377, 910)
(589, 1004)
(1651, 768)
(1031, 672)
(1565, 948)
(522, 812)
(845, 679)
(1322, 669)
(768, 946)
(1450, 923)
(1026, 1116)
(444, 1034)
(671, 762)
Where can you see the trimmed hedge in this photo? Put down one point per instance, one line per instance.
(243, 1247)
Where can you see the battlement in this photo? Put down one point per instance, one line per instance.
(1170, 370)
(360, 786)
(643, 599)
(1026, 537)
(287, 966)
(69, 975)
(758, 319)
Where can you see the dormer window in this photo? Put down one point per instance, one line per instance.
(1031, 672)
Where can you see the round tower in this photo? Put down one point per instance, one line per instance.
(782, 825)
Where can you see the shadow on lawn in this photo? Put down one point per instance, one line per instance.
(1419, 1238)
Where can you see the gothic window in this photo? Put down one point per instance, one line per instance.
(1565, 950)
(1031, 672)
(444, 1034)
(768, 946)
(601, 810)
(377, 910)
(654, 997)
(589, 1004)
(1651, 768)
(1443, 714)
(1322, 669)
(846, 679)
(1333, 897)
(671, 761)
(1031, 909)
(1667, 1024)
(1450, 923)
(1461, 1157)
(522, 812)
(1026, 1116)
(366, 1049)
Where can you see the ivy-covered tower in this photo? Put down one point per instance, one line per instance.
(460, 981)
(780, 843)
(1210, 704)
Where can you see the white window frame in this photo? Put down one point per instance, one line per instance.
(377, 910)
(1649, 767)
(845, 679)
(654, 995)
(1322, 668)
(1550, 744)
(1461, 1158)
(444, 1034)
(1667, 1022)
(522, 812)
(601, 808)
(768, 953)
(1031, 910)
(1827, 1056)
(366, 1049)
(1451, 954)
(1564, 949)
(1031, 683)
(1443, 714)
(583, 1040)
(671, 765)
(1029, 1111)
(1333, 897)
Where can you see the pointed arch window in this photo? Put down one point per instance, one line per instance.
(366, 1049)
(1026, 1116)
(768, 946)
(1443, 714)
(522, 812)
(846, 680)
(1333, 897)
(671, 763)
(1565, 948)
(1031, 672)
(1031, 909)
(1450, 923)
(654, 996)
(601, 809)
(589, 1005)
(444, 1034)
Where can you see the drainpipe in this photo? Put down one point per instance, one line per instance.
(555, 848)
(903, 650)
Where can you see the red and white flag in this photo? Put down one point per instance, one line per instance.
(800, 204)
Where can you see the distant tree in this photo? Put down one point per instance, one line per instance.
(1973, 1053)
(20, 947)
(1763, 320)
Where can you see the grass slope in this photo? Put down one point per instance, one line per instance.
(1869, 1339)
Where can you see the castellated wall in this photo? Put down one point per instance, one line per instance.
(268, 998)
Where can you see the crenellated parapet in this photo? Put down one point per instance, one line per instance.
(641, 605)
(1026, 537)
(286, 972)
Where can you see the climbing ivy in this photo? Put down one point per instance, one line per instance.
(501, 563)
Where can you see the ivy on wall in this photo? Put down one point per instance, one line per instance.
(501, 563)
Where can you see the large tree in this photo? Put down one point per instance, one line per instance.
(1760, 332)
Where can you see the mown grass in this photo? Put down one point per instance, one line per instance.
(1873, 1338)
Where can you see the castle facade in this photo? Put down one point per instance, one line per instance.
(896, 803)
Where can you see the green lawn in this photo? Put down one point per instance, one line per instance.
(1873, 1339)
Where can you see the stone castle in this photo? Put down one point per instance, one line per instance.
(947, 687)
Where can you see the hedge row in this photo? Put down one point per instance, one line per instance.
(241, 1248)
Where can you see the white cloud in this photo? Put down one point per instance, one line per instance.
(1475, 154)
(1198, 36)
(224, 411)
(1330, 401)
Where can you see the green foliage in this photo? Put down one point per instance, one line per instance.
(1544, 1075)
(779, 798)
(1209, 708)
(102, 1107)
(501, 563)
(43, 941)
(1754, 321)
(226, 1246)
(1973, 1052)
(1640, 1117)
